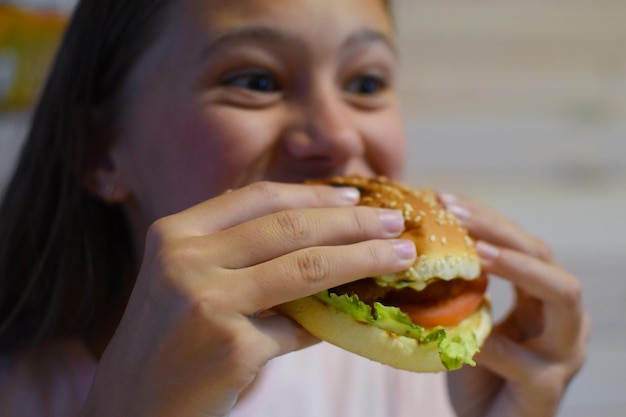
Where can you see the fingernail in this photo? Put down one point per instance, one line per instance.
(486, 250)
(262, 314)
(460, 212)
(350, 194)
(447, 198)
(392, 221)
(405, 249)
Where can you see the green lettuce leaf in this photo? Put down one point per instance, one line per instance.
(455, 347)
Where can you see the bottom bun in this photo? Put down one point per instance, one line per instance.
(369, 341)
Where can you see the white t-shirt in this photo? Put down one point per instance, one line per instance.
(325, 381)
(320, 381)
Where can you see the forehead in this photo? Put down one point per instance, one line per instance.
(313, 17)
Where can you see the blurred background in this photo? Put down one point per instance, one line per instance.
(521, 104)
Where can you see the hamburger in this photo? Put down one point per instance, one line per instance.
(432, 317)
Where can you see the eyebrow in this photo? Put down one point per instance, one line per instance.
(254, 33)
(370, 36)
(272, 36)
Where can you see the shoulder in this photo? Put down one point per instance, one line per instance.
(50, 380)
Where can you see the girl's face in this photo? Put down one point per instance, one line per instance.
(234, 92)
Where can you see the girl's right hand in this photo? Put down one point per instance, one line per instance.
(191, 338)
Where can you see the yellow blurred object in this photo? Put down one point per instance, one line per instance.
(28, 41)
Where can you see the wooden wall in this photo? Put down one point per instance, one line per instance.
(519, 82)
(522, 104)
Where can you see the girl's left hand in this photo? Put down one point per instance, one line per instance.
(526, 364)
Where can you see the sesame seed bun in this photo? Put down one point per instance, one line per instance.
(355, 316)
(445, 250)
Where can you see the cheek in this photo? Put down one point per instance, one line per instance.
(222, 145)
(387, 145)
(186, 156)
(240, 137)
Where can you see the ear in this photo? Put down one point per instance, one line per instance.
(102, 178)
(106, 182)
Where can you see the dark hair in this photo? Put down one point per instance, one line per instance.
(64, 253)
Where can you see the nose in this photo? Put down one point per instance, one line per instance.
(325, 131)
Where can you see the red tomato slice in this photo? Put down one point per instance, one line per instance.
(447, 311)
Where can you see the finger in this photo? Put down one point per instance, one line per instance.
(257, 200)
(486, 224)
(286, 334)
(559, 291)
(525, 321)
(521, 365)
(272, 236)
(528, 314)
(542, 280)
(308, 271)
(571, 353)
(530, 378)
(507, 358)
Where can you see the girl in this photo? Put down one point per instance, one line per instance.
(156, 216)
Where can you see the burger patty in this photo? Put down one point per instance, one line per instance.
(367, 289)
(369, 292)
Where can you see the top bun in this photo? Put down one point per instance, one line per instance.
(445, 250)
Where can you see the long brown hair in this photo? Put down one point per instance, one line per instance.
(63, 252)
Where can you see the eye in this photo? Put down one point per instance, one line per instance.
(258, 81)
(366, 85)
